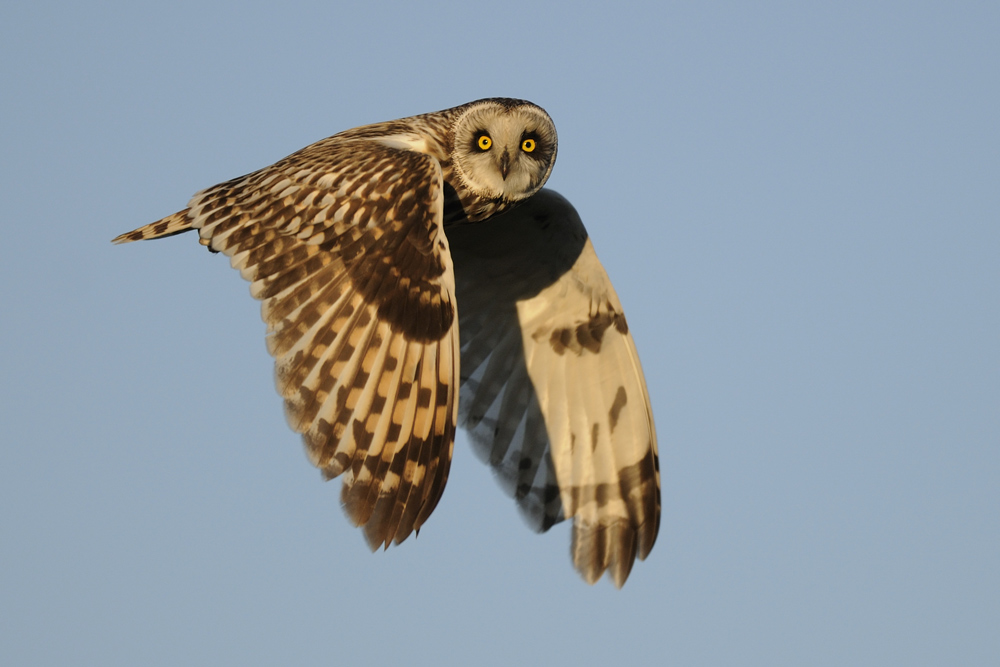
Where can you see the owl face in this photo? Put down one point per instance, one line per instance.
(504, 149)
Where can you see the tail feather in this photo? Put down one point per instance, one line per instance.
(177, 223)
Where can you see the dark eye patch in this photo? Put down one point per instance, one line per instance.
(541, 146)
(476, 136)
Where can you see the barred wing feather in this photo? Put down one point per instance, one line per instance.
(343, 244)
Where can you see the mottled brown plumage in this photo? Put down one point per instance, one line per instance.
(344, 243)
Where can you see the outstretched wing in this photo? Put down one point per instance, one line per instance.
(343, 244)
(552, 392)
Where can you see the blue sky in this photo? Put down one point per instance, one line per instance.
(798, 207)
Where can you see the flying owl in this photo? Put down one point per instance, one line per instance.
(361, 247)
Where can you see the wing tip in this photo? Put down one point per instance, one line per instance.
(178, 223)
(601, 549)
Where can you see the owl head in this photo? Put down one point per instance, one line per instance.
(504, 148)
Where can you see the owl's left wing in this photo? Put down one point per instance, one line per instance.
(343, 244)
(552, 392)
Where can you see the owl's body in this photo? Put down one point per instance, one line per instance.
(344, 243)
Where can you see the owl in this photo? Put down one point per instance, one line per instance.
(361, 247)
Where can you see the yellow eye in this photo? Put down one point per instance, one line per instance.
(528, 145)
(484, 143)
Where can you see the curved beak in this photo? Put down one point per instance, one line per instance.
(505, 164)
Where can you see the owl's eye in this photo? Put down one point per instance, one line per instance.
(528, 145)
(484, 142)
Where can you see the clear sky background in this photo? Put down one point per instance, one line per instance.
(798, 207)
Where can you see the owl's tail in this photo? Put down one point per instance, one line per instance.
(177, 223)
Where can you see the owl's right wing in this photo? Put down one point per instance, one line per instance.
(552, 392)
(343, 244)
